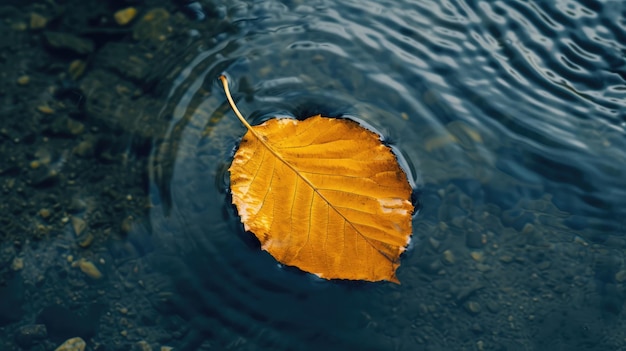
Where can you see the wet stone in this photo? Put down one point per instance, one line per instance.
(483, 267)
(75, 127)
(65, 41)
(85, 240)
(89, 268)
(77, 68)
(44, 213)
(467, 291)
(127, 225)
(506, 259)
(620, 276)
(458, 222)
(124, 16)
(29, 335)
(493, 307)
(544, 265)
(529, 228)
(442, 285)
(46, 110)
(142, 346)
(153, 26)
(23, 80)
(73, 344)
(45, 177)
(79, 225)
(477, 256)
(17, 264)
(76, 205)
(37, 21)
(6, 256)
(65, 127)
(19, 26)
(115, 56)
(84, 148)
(429, 265)
(472, 307)
(434, 243)
(448, 257)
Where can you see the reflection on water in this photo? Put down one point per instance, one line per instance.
(511, 114)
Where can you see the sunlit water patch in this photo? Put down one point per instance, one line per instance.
(510, 116)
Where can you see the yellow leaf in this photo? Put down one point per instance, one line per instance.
(324, 195)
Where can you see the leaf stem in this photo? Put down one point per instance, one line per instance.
(232, 103)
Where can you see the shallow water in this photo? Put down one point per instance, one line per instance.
(510, 115)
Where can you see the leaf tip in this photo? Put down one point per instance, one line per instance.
(394, 279)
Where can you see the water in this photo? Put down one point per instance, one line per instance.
(510, 115)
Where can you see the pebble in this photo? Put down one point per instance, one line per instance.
(77, 68)
(477, 256)
(19, 26)
(480, 345)
(28, 335)
(620, 276)
(528, 229)
(84, 148)
(142, 346)
(17, 264)
(46, 110)
(483, 267)
(86, 240)
(544, 265)
(153, 25)
(434, 243)
(472, 307)
(44, 213)
(37, 21)
(88, 268)
(73, 344)
(506, 259)
(75, 127)
(493, 307)
(443, 226)
(124, 16)
(79, 225)
(466, 291)
(127, 225)
(448, 257)
(59, 40)
(23, 80)
(441, 285)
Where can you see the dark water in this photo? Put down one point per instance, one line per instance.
(511, 116)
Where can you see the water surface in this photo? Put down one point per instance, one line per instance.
(510, 115)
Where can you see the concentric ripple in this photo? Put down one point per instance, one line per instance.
(527, 97)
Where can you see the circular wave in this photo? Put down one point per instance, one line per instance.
(527, 98)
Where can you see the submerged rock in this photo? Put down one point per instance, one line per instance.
(64, 41)
(29, 335)
(73, 344)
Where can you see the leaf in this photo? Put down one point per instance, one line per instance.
(322, 194)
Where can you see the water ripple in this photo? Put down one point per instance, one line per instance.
(506, 92)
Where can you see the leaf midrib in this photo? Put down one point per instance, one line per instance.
(260, 138)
